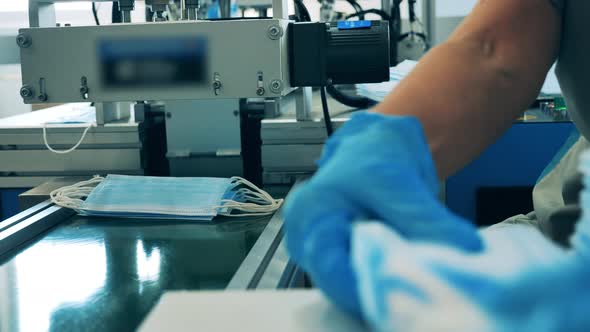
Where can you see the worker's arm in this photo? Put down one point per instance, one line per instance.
(378, 167)
(467, 91)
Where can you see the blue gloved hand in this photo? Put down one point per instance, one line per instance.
(375, 167)
(520, 282)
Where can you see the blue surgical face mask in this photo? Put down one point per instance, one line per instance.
(80, 114)
(165, 197)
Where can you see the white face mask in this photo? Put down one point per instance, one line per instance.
(165, 197)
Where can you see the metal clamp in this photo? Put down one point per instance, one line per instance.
(42, 95)
(260, 84)
(84, 90)
(217, 85)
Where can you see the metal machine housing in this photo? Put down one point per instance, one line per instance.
(245, 58)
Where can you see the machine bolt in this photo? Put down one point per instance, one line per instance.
(276, 86)
(216, 83)
(260, 91)
(42, 97)
(84, 90)
(23, 40)
(274, 32)
(26, 92)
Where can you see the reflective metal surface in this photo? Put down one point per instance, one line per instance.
(91, 274)
(254, 265)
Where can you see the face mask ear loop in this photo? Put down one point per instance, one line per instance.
(246, 195)
(71, 196)
(251, 200)
(73, 148)
(252, 189)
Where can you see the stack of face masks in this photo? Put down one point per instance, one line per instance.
(165, 197)
(378, 91)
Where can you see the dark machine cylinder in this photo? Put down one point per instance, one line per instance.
(344, 52)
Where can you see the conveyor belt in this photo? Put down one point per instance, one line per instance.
(75, 273)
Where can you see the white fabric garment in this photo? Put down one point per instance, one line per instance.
(573, 72)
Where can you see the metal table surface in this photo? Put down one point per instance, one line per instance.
(101, 274)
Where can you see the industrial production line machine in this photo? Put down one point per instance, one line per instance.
(179, 98)
(166, 98)
(211, 82)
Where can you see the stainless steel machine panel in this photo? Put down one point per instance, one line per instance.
(92, 160)
(290, 148)
(122, 136)
(155, 61)
(293, 157)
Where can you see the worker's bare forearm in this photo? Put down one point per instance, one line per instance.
(463, 104)
(467, 91)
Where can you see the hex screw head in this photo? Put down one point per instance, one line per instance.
(276, 86)
(23, 40)
(274, 32)
(26, 92)
(260, 91)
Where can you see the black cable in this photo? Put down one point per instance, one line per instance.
(116, 16)
(414, 19)
(379, 12)
(357, 8)
(395, 32)
(327, 119)
(350, 101)
(95, 13)
(412, 10)
(395, 16)
(420, 35)
(357, 102)
(298, 11)
(297, 16)
(303, 12)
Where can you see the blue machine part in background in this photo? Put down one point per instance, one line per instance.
(9, 202)
(353, 25)
(517, 159)
(213, 10)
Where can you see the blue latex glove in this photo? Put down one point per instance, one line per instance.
(375, 167)
(521, 282)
